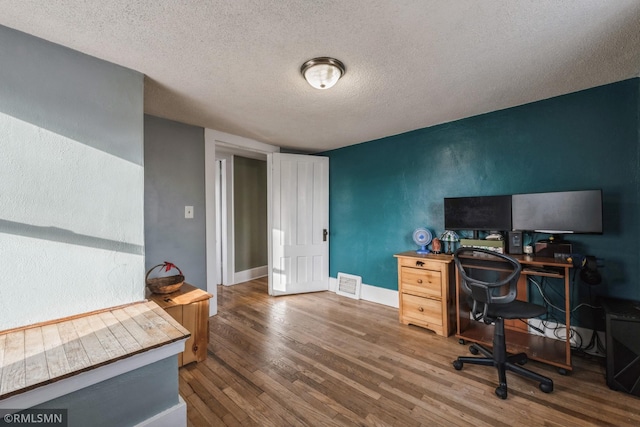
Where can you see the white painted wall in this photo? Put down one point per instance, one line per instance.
(71, 182)
(78, 243)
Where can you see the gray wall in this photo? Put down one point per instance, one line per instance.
(78, 101)
(71, 192)
(125, 400)
(81, 97)
(250, 213)
(71, 181)
(173, 179)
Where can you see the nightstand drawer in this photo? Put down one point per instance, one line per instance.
(426, 283)
(426, 290)
(423, 264)
(425, 311)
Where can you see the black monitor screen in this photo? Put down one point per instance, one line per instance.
(558, 212)
(486, 213)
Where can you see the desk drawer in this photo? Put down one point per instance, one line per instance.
(423, 264)
(427, 283)
(427, 312)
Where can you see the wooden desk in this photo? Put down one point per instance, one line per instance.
(548, 350)
(190, 307)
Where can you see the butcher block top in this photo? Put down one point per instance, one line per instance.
(187, 294)
(41, 354)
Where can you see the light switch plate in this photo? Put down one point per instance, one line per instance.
(188, 212)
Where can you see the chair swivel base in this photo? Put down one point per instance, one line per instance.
(511, 363)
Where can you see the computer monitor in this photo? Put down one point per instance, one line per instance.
(483, 213)
(560, 212)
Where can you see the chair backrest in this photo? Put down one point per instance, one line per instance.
(474, 265)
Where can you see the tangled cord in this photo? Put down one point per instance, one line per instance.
(559, 332)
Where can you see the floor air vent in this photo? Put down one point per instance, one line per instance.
(349, 285)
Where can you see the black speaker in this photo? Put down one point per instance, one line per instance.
(622, 320)
(549, 249)
(514, 246)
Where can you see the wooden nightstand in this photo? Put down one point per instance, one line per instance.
(190, 307)
(426, 291)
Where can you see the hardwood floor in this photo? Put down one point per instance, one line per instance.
(325, 360)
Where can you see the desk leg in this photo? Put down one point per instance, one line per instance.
(567, 308)
(462, 309)
(522, 296)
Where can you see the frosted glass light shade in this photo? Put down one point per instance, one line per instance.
(322, 73)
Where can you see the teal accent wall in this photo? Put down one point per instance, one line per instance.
(380, 191)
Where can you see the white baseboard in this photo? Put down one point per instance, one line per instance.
(246, 275)
(370, 293)
(176, 416)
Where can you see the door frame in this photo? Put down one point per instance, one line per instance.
(221, 219)
(220, 144)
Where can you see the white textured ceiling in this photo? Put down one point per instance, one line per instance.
(233, 65)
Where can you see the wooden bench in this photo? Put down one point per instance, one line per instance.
(37, 356)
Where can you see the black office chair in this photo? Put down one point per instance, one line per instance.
(492, 302)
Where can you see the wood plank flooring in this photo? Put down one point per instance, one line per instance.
(324, 360)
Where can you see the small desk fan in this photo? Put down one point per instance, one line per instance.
(422, 237)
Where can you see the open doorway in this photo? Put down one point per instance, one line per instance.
(220, 151)
(241, 218)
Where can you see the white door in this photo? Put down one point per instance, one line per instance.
(299, 224)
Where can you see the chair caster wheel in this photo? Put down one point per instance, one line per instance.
(522, 362)
(461, 341)
(501, 392)
(457, 364)
(546, 388)
(563, 371)
(473, 350)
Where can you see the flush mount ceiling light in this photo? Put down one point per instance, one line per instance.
(322, 73)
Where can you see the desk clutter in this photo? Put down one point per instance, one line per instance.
(489, 245)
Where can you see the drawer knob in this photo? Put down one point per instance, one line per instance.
(420, 309)
(419, 280)
(419, 263)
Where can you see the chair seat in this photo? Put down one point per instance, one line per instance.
(516, 310)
